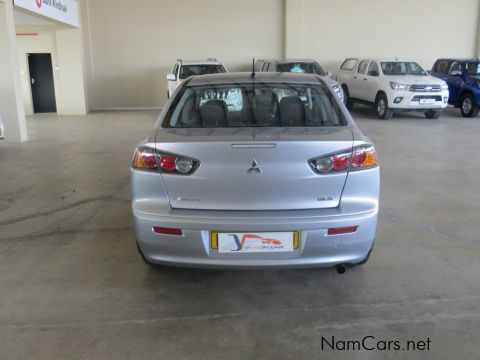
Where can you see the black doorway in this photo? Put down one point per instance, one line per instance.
(41, 81)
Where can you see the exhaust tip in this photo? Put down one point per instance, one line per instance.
(341, 269)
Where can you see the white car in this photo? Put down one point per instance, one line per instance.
(186, 68)
(299, 66)
(2, 130)
(392, 85)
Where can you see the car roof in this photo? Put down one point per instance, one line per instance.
(260, 77)
(379, 59)
(286, 61)
(200, 62)
(458, 59)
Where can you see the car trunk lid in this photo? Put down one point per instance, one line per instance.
(254, 168)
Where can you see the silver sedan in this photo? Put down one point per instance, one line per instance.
(255, 170)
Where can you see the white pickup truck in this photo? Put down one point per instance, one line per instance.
(392, 85)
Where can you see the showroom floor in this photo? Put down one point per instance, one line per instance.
(73, 286)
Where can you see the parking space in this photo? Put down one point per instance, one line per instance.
(72, 282)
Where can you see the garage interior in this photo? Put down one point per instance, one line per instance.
(72, 284)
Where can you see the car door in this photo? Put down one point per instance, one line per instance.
(370, 82)
(455, 80)
(357, 84)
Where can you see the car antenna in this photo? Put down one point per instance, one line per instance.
(253, 68)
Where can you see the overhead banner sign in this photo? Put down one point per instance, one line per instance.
(65, 11)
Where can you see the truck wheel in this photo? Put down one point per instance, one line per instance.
(381, 105)
(433, 114)
(468, 107)
(347, 99)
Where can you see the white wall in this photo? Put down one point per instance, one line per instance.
(43, 42)
(423, 30)
(66, 46)
(133, 44)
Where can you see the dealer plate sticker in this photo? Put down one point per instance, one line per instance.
(263, 242)
(427, 101)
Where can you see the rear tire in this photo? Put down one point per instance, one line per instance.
(347, 99)
(381, 106)
(433, 114)
(468, 107)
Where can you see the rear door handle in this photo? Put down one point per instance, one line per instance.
(354, 77)
(365, 79)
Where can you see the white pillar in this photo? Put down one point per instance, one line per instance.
(293, 28)
(11, 103)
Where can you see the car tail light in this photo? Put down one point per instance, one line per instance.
(342, 230)
(148, 159)
(145, 159)
(361, 157)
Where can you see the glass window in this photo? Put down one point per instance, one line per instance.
(473, 68)
(349, 64)
(402, 68)
(301, 67)
(191, 70)
(442, 66)
(362, 67)
(254, 105)
(455, 68)
(373, 69)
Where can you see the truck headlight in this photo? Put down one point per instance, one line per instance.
(445, 86)
(397, 86)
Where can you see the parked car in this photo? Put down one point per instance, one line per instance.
(287, 179)
(301, 66)
(392, 85)
(463, 79)
(186, 68)
(2, 130)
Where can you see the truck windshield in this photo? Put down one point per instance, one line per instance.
(301, 67)
(473, 68)
(402, 68)
(254, 105)
(191, 70)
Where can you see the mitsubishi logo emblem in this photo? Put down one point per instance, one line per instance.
(254, 169)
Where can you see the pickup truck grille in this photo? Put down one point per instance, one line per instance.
(425, 88)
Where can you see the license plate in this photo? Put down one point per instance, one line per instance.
(427, 101)
(261, 242)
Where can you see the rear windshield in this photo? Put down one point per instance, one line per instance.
(254, 105)
(402, 68)
(301, 67)
(473, 68)
(191, 70)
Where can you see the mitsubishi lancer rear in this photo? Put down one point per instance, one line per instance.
(255, 170)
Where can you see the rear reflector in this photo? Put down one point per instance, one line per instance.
(343, 230)
(167, 231)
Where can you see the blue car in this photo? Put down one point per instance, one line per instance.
(463, 79)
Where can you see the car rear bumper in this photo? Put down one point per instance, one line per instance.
(193, 248)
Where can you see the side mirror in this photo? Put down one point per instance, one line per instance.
(456, 72)
(329, 74)
(171, 77)
(373, 73)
